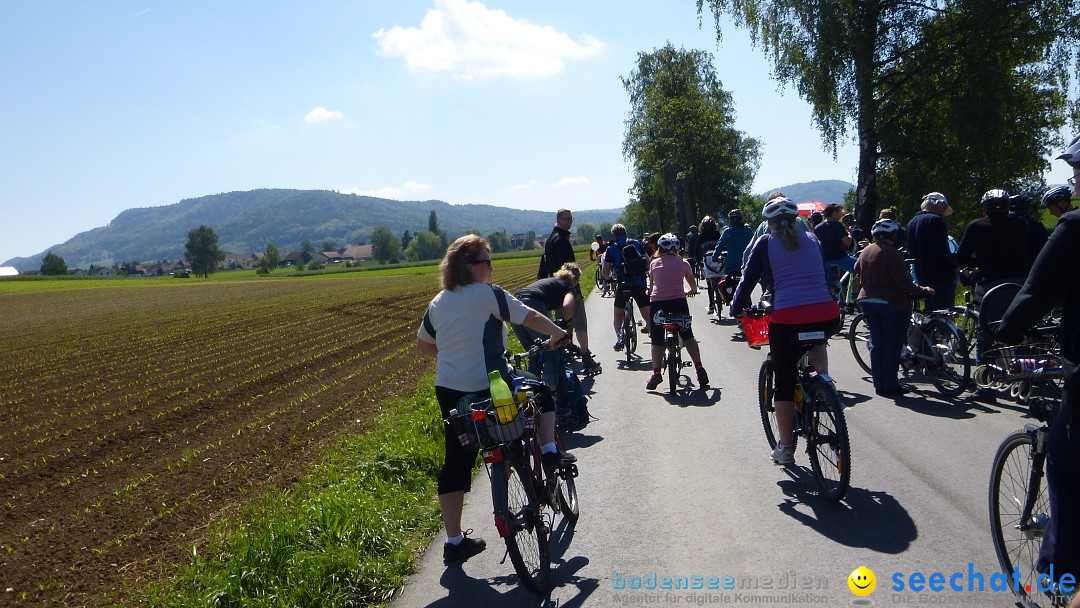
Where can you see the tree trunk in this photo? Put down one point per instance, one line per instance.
(868, 14)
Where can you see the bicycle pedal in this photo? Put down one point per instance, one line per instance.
(568, 472)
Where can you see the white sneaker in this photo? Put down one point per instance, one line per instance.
(783, 454)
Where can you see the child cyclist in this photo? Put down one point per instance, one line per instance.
(668, 271)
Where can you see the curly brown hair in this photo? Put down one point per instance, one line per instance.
(454, 267)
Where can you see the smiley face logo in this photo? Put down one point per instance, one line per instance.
(862, 581)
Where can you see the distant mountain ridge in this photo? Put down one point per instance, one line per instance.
(826, 191)
(246, 221)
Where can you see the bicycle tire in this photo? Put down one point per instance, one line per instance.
(765, 402)
(950, 368)
(827, 437)
(527, 542)
(859, 338)
(671, 344)
(629, 333)
(1010, 481)
(567, 491)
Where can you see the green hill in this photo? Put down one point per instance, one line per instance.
(246, 221)
(826, 191)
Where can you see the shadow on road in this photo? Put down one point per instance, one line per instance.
(873, 520)
(464, 591)
(639, 363)
(692, 396)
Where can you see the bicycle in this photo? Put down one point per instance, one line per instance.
(629, 325)
(525, 498)
(672, 324)
(1020, 504)
(606, 287)
(819, 412)
(840, 287)
(934, 345)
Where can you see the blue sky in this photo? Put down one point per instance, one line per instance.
(120, 104)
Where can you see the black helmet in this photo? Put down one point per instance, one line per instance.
(848, 219)
(994, 197)
(735, 216)
(1021, 203)
(1055, 194)
(816, 217)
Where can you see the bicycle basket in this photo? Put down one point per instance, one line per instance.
(756, 330)
(476, 425)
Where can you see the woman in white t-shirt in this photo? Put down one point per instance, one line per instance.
(464, 329)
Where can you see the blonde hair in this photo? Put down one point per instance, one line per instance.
(569, 272)
(454, 268)
(783, 228)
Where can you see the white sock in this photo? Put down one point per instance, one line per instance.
(549, 448)
(456, 540)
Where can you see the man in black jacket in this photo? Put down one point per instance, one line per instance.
(558, 250)
(1054, 281)
(928, 243)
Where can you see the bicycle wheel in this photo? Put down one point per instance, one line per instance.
(765, 401)
(629, 333)
(568, 500)
(949, 367)
(859, 337)
(527, 538)
(1010, 485)
(827, 436)
(671, 345)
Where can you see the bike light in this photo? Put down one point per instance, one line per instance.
(479, 415)
(493, 456)
(500, 525)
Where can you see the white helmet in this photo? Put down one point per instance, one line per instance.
(1072, 154)
(668, 242)
(884, 227)
(779, 206)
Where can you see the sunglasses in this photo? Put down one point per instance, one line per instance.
(487, 261)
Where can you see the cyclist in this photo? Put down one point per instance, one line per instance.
(888, 213)
(834, 238)
(630, 282)
(708, 235)
(464, 329)
(601, 247)
(547, 296)
(1021, 206)
(1058, 201)
(1053, 282)
(816, 217)
(763, 227)
(928, 243)
(691, 246)
(667, 272)
(734, 239)
(997, 244)
(791, 261)
(885, 300)
(557, 251)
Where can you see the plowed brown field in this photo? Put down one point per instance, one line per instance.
(131, 419)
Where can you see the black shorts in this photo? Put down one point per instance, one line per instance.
(785, 352)
(676, 307)
(627, 290)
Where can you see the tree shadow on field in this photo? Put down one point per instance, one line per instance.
(864, 519)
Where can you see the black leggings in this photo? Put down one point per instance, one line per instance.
(785, 352)
(456, 472)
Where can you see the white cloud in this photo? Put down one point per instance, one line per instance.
(415, 186)
(469, 41)
(526, 186)
(389, 191)
(321, 114)
(578, 180)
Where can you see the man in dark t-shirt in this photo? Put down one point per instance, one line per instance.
(834, 239)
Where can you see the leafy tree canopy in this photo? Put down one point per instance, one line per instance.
(385, 246)
(202, 250)
(53, 265)
(499, 241)
(425, 246)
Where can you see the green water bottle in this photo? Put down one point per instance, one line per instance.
(505, 408)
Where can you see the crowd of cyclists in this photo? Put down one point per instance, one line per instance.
(794, 259)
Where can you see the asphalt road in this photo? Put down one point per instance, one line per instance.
(684, 487)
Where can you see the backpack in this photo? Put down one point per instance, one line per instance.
(572, 397)
(633, 264)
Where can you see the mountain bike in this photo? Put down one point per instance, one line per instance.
(819, 412)
(1020, 504)
(934, 345)
(672, 324)
(525, 498)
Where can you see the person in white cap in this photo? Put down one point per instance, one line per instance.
(928, 243)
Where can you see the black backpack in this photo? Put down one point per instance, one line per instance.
(633, 264)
